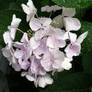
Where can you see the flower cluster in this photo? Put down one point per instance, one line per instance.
(49, 49)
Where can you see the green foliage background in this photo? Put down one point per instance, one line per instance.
(79, 78)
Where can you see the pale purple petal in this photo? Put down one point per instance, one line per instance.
(33, 43)
(53, 42)
(16, 67)
(56, 7)
(18, 54)
(45, 21)
(60, 43)
(18, 45)
(40, 34)
(58, 58)
(34, 24)
(47, 61)
(15, 64)
(50, 8)
(36, 67)
(46, 9)
(24, 38)
(25, 65)
(73, 49)
(41, 49)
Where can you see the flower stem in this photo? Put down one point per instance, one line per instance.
(20, 30)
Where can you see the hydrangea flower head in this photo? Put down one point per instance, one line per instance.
(46, 51)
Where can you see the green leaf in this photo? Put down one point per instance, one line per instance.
(80, 13)
(72, 82)
(5, 4)
(46, 2)
(74, 3)
(87, 63)
(15, 7)
(81, 90)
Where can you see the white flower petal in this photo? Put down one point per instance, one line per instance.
(31, 6)
(46, 9)
(70, 12)
(41, 82)
(7, 39)
(47, 21)
(18, 45)
(72, 37)
(47, 61)
(18, 54)
(6, 52)
(30, 78)
(14, 24)
(46, 64)
(66, 65)
(26, 9)
(16, 66)
(14, 60)
(34, 24)
(24, 65)
(50, 9)
(48, 79)
(51, 42)
(28, 17)
(24, 38)
(41, 49)
(30, 3)
(58, 58)
(55, 8)
(40, 34)
(66, 36)
(82, 37)
(33, 43)
(12, 32)
(60, 43)
(44, 81)
(54, 42)
(72, 24)
(57, 64)
(23, 74)
(15, 21)
(29, 9)
(59, 55)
